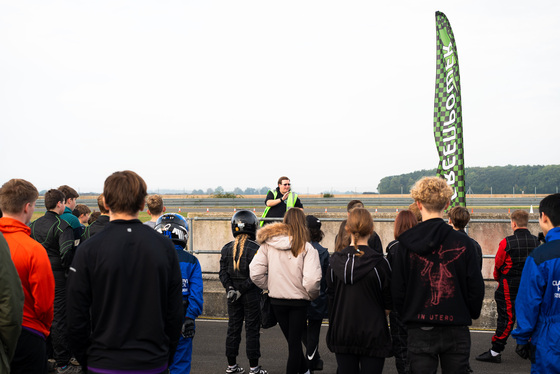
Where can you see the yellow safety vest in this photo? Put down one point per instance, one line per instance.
(290, 202)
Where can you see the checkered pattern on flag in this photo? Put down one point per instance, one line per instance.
(448, 123)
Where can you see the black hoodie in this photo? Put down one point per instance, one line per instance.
(359, 289)
(436, 276)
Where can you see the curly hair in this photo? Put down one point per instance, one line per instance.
(433, 192)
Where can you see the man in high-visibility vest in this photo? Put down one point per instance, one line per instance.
(281, 199)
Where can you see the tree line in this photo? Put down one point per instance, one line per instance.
(545, 179)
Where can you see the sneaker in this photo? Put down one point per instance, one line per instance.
(51, 366)
(317, 365)
(236, 369)
(487, 357)
(68, 369)
(74, 362)
(258, 370)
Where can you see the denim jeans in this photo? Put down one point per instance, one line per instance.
(427, 346)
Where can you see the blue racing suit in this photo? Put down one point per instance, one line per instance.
(538, 305)
(192, 300)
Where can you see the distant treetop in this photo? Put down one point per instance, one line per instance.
(485, 180)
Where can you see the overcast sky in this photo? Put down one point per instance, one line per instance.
(334, 94)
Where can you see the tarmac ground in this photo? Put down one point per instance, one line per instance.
(209, 352)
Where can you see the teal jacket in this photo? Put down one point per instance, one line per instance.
(74, 222)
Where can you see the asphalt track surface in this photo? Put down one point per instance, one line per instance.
(209, 352)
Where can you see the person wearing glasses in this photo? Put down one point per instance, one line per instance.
(281, 199)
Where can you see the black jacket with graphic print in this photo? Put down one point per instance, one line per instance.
(436, 276)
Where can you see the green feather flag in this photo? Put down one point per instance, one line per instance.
(448, 121)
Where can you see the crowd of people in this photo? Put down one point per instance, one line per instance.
(106, 293)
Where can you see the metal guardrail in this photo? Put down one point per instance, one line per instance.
(335, 201)
(213, 251)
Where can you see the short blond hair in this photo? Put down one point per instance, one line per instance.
(433, 192)
(155, 204)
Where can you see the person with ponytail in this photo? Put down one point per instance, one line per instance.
(359, 284)
(243, 297)
(288, 266)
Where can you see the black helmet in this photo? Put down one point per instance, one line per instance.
(175, 227)
(244, 222)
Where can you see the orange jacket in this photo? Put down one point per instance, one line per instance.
(34, 269)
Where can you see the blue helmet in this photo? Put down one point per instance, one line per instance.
(175, 227)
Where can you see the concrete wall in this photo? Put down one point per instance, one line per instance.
(211, 231)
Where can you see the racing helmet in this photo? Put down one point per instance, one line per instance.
(175, 227)
(244, 222)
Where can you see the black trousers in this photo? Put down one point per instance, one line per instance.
(246, 308)
(30, 355)
(59, 332)
(292, 320)
(310, 340)
(355, 364)
(399, 335)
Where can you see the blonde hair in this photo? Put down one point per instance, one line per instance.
(433, 192)
(297, 227)
(239, 244)
(359, 225)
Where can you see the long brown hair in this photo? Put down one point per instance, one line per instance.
(297, 226)
(359, 225)
(405, 220)
(342, 238)
(238, 245)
